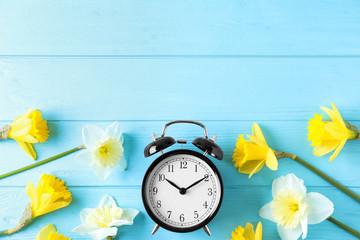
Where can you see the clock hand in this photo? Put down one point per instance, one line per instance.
(172, 183)
(195, 183)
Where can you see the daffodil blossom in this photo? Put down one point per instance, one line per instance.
(102, 222)
(327, 136)
(293, 209)
(104, 149)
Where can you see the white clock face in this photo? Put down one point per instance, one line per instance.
(182, 191)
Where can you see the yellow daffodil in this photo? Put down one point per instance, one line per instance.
(102, 222)
(27, 129)
(327, 136)
(51, 194)
(104, 149)
(293, 209)
(247, 233)
(49, 233)
(251, 155)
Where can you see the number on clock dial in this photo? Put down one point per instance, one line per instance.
(199, 201)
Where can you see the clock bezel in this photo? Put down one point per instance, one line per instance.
(144, 191)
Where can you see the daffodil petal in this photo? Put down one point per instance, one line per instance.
(28, 148)
(337, 115)
(319, 207)
(107, 201)
(128, 215)
(102, 173)
(44, 232)
(122, 163)
(256, 169)
(271, 160)
(290, 234)
(325, 148)
(32, 193)
(290, 183)
(256, 130)
(304, 226)
(338, 149)
(83, 214)
(339, 132)
(257, 141)
(266, 212)
(258, 232)
(91, 135)
(114, 130)
(85, 229)
(249, 166)
(85, 157)
(330, 113)
(249, 231)
(102, 233)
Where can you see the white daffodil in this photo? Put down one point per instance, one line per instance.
(104, 149)
(293, 209)
(102, 222)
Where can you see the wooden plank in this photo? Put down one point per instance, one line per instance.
(160, 27)
(240, 205)
(178, 88)
(281, 135)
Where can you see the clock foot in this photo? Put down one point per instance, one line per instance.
(155, 229)
(207, 230)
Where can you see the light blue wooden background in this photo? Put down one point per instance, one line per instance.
(143, 63)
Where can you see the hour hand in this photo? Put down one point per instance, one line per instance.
(172, 183)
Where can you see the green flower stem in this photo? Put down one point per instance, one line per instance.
(321, 174)
(41, 162)
(344, 227)
(3, 233)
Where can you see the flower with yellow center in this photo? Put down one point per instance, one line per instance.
(293, 209)
(49, 233)
(49, 195)
(27, 129)
(104, 149)
(251, 155)
(102, 222)
(327, 136)
(247, 233)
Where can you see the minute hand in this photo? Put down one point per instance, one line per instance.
(195, 183)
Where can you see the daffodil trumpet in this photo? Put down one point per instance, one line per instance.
(251, 155)
(50, 194)
(39, 163)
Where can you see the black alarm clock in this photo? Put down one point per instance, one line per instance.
(182, 190)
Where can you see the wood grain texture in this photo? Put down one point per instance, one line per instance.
(161, 27)
(241, 205)
(179, 88)
(143, 63)
(281, 135)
